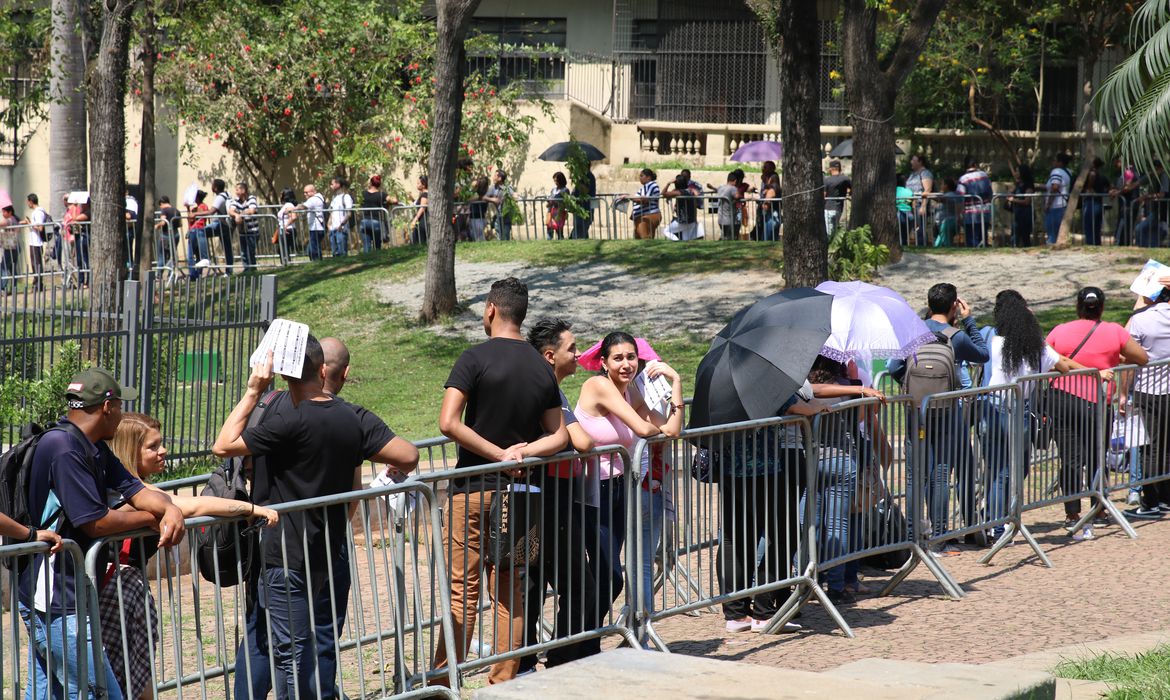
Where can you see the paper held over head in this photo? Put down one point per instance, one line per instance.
(286, 340)
(1147, 284)
(656, 392)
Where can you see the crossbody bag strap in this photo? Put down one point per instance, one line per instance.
(1084, 340)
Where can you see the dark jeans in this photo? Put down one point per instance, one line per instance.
(1155, 410)
(728, 231)
(833, 494)
(248, 243)
(975, 228)
(946, 450)
(216, 229)
(1074, 428)
(607, 523)
(288, 245)
(196, 250)
(371, 234)
(994, 431)
(581, 226)
(503, 229)
(564, 568)
(1023, 225)
(1092, 217)
(752, 508)
(1125, 223)
(81, 253)
(314, 244)
(293, 606)
(8, 269)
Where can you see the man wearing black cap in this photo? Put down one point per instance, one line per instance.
(72, 471)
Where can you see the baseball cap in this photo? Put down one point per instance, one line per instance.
(92, 386)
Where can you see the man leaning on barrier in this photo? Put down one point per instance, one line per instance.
(382, 446)
(72, 471)
(501, 404)
(314, 449)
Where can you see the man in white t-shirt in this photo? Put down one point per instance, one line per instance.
(340, 211)
(314, 204)
(1059, 182)
(36, 239)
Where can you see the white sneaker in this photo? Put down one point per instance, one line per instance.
(788, 628)
(741, 625)
(1133, 499)
(202, 264)
(1083, 535)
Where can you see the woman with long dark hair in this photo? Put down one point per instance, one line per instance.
(1017, 348)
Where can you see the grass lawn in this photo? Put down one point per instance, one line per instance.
(398, 367)
(1141, 677)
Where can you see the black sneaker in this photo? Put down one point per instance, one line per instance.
(1144, 513)
(1102, 521)
(841, 597)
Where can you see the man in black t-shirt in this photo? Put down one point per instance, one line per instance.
(501, 404)
(314, 448)
(837, 190)
(379, 445)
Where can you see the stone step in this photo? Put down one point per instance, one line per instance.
(951, 681)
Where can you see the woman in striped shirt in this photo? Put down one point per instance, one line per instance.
(646, 214)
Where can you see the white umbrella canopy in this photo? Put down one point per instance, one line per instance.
(872, 322)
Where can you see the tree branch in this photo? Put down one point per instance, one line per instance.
(901, 59)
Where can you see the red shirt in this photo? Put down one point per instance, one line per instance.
(1101, 351)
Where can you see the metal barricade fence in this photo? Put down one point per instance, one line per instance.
(47, 627)
(369, 601)
(860, 483)
(514, 530)
(1067, 418)
(405, 227)
(699, 507)
(1137, 435)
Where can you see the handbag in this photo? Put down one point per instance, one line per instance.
(702, 469)
(513, 536)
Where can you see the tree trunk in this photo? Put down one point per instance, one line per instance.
(450, 65)
(106, 86)
(792, 31)
(872, 81)
(144, 252)
(1088, 153)
(67, 135)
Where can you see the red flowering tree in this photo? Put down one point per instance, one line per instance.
(327, 86)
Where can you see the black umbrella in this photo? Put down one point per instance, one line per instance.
(761, 357)
(559, 152)
(845, 150)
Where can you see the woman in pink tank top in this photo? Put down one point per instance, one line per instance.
(613, 412)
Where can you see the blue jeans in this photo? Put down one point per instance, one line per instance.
(1092, 216)
(54, 643)
(338, 242)
(81, 253)
(248, 242)
(610, 526)
(224, 233)
(1052, 219)
(975, 228)
(503, 229)
(946, 449)
(581, 226)
(196, 251)
(836, 484)
(314, 244)
(995, 429)
(771, 226)
(653, 514)
(371, 234)
(288, 600)
(1148, 233)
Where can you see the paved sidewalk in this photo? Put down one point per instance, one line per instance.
(1107, 587)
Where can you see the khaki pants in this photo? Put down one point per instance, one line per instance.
(464, 544)
(646, 226)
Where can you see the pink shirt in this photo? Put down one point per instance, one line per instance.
(1102, 351)
(609, 430)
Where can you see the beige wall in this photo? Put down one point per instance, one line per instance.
(588, 25)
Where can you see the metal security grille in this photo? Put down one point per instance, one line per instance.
(832, 94)
(711, 71)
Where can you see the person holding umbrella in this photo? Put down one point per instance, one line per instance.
(613, 413)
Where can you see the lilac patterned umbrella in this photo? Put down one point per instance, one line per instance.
(871, 322)
(758, 152)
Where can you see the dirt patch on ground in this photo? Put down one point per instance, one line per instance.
(598, 298)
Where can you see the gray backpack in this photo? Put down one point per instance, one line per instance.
(932, 370)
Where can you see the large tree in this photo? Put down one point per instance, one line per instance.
(68, 145)
(145, 248)
(454, 17)
(792, 31)
(873, 76)
(109, 29)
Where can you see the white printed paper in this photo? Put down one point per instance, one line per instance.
(286, 340)
(401, 503)
(1146, 284)
(655, 392)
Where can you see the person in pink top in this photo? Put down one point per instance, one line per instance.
(1096, 344)
(612, 413)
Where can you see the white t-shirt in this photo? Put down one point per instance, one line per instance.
(999, 374)
(316, 204)
(282, 215)
(1060, 178)
(36, 217)
(339, 210)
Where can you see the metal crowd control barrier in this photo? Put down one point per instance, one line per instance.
(860, 482)
(709, 497)
(1138, 437)
(44, 652)
(521, 528)
(375, 610)
(1067, 424)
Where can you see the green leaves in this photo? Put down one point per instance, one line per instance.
(854, 256)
